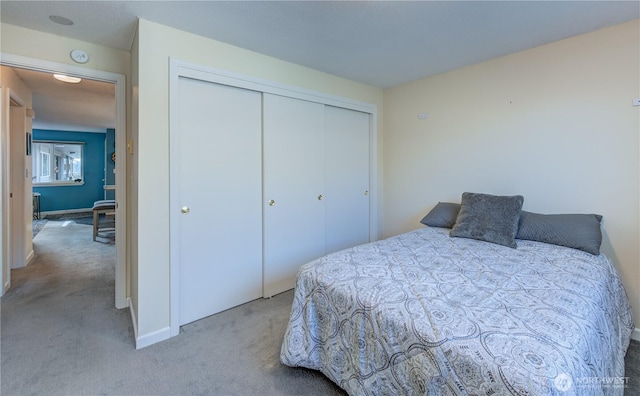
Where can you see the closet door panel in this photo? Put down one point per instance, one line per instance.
(216, 164)
(346, 178)
(293, 149)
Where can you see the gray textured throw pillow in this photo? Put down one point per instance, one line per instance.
(578, 231)
(489, 218)
(444, 214)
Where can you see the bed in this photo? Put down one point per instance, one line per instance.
(427, 313)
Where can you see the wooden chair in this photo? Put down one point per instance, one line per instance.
(106, 207)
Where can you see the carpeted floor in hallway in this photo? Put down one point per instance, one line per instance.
(61, 335)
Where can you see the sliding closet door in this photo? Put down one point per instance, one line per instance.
(293, 135)
(216, 194)
(346, 178)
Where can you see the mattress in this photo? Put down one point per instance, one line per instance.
(424, 313)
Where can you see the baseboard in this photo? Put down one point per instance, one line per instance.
(147, 339)
(59, 212)
(154, 337)
(635, 335)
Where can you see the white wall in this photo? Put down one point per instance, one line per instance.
(28, 194)
(156, 44)
(132, 186)
(554, 123)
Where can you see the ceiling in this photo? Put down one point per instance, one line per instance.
(381, 43)
(89, 106)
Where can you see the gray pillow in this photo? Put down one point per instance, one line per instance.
(444, 214)
(489, 218)
(578, 231)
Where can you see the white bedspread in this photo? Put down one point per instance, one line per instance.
(423, 313)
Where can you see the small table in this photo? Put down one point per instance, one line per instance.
(36, 206)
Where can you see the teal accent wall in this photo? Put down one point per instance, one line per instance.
(111, 148)
(80, 196)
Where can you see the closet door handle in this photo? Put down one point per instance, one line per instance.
(320, 197)
(271, 202)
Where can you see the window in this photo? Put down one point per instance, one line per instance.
(57, 163)
(45, 174)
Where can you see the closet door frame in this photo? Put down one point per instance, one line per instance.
(179, 69)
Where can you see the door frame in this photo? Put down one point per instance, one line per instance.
(12, 209)
(11, 60)
(5, 242)
(17, 185)
(178, 69)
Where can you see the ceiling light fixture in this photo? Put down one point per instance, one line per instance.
(67, 79)
(61, 20)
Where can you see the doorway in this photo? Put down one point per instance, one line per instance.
(118, 80)
(21, 247)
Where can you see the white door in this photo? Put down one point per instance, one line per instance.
(293, 135)
(17, 222)
(216, 197)
(346, 178)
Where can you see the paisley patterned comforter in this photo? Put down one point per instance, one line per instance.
(424, 313)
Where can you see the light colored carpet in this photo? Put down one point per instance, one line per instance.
(632, 368)
(61, 335)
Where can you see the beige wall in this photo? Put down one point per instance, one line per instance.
(10, 80)
(554, 123)
(156, 44)
(13, 149)
(33, 44)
